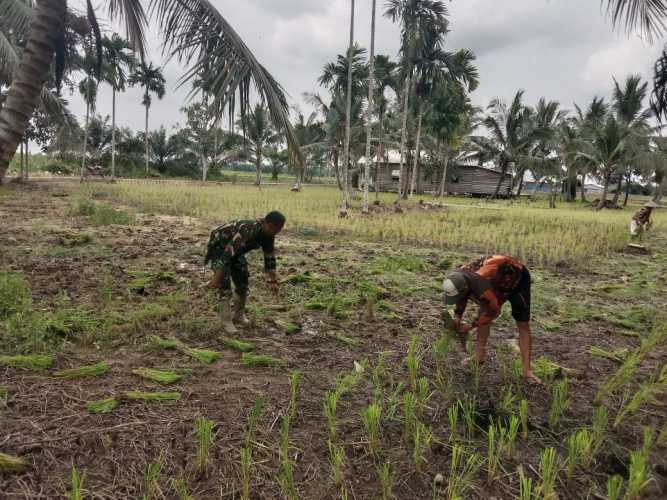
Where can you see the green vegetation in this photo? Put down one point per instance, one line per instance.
(28, 362)
(239, 345)
(250, 359)
(76, 487)
(205, 437)
(164, 377)
(158, 397)
(96, 370)
(103, 405)
(101, 214)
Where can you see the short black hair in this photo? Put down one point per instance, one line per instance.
(275, 218)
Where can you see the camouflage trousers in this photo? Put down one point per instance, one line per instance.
(235, 270)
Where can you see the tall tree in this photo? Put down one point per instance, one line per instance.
(193, 31)
(88, 90)
(386, 78)
(369, 111)
(151, 79)
(118, 61)
(348, 118)
(260, 134)
(416, 17)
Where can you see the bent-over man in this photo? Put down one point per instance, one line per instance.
(641, 220)
(490, 282)
(227, 247)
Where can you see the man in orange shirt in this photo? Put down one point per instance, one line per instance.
(490, 282)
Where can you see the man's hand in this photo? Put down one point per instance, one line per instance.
(216, 280)
(531, 378)
(463, 328)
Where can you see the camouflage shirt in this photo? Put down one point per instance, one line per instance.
(643, 216)
(235, 239)
(492, 280)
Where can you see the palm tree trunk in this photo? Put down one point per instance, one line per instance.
(146, 138)
(628, 181)
(415, 161)
(26, 167)
(445, 164)
(258, 166)
(380, 156)
(348, 112)
(113, 133)
(619, 186)
(605, 191)
(33, 70)
(583, 188)
(660, 189)
(21, 166)
(503, 170)
(404, 131)
(335, 158)
(85, 143)
(520, 188)
(369, 111)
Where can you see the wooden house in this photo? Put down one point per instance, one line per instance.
(462, 178)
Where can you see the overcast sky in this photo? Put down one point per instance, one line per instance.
(561, 49)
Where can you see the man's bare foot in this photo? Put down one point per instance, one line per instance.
(531, 378)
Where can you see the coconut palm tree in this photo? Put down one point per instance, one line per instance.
(193, 32)
(416, 17)
(432, 66)
(386, 78)
(88, 90)
(118, 60)
(348, 118)
(369, 111)
(260, 134)
(151, 79)
(511, 135)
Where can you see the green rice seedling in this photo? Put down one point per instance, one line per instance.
(443, 384)
(103, 405)
(286, 473)
(508, 401)
(549, 469)
(164, 377)
(516, 369)
(180, 486)
(344, 495)
(161, 343)
(337, 458)
(253, 418)
(372, 419)
(409, 413)
(579, 451)
(647, 443)
(560, 402)
(246, 472)
(462, 472)
(441, 349)
(422, 394)
(525, 486)
(238, 345)
(638, 478)
(614, 487)
(4, 397)
(523, 415)
(493, 453)
(27, 362)
(352, 342)
(10, 463)
(646, 393)
(618, 355)
(475, 370)
(599, 429)
(330, 407)
(250, 359)
(95, 370)
(205, 356)
(422, 437)
(205, 436)
(622, 376)
(412, 361)
(15, 295)
(468, 408)
(386, 480)
(158, 397)
(76, 488)
(453, 417)
(349, 381)
(151, 479)
(512, 431)
(295, 377)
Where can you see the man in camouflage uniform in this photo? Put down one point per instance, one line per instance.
(490, 282)
(641, 221)
(227, 247)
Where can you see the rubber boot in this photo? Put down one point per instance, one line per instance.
(226, 315)
(239, 311)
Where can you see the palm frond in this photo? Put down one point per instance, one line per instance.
(16, 14)
(646, 16)
(132, 15)
(659, 97)
(198, 35)
(8, 59)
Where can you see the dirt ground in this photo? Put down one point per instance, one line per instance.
(609, 303)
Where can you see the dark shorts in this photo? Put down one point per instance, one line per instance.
(236, 271)
(520, 298)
